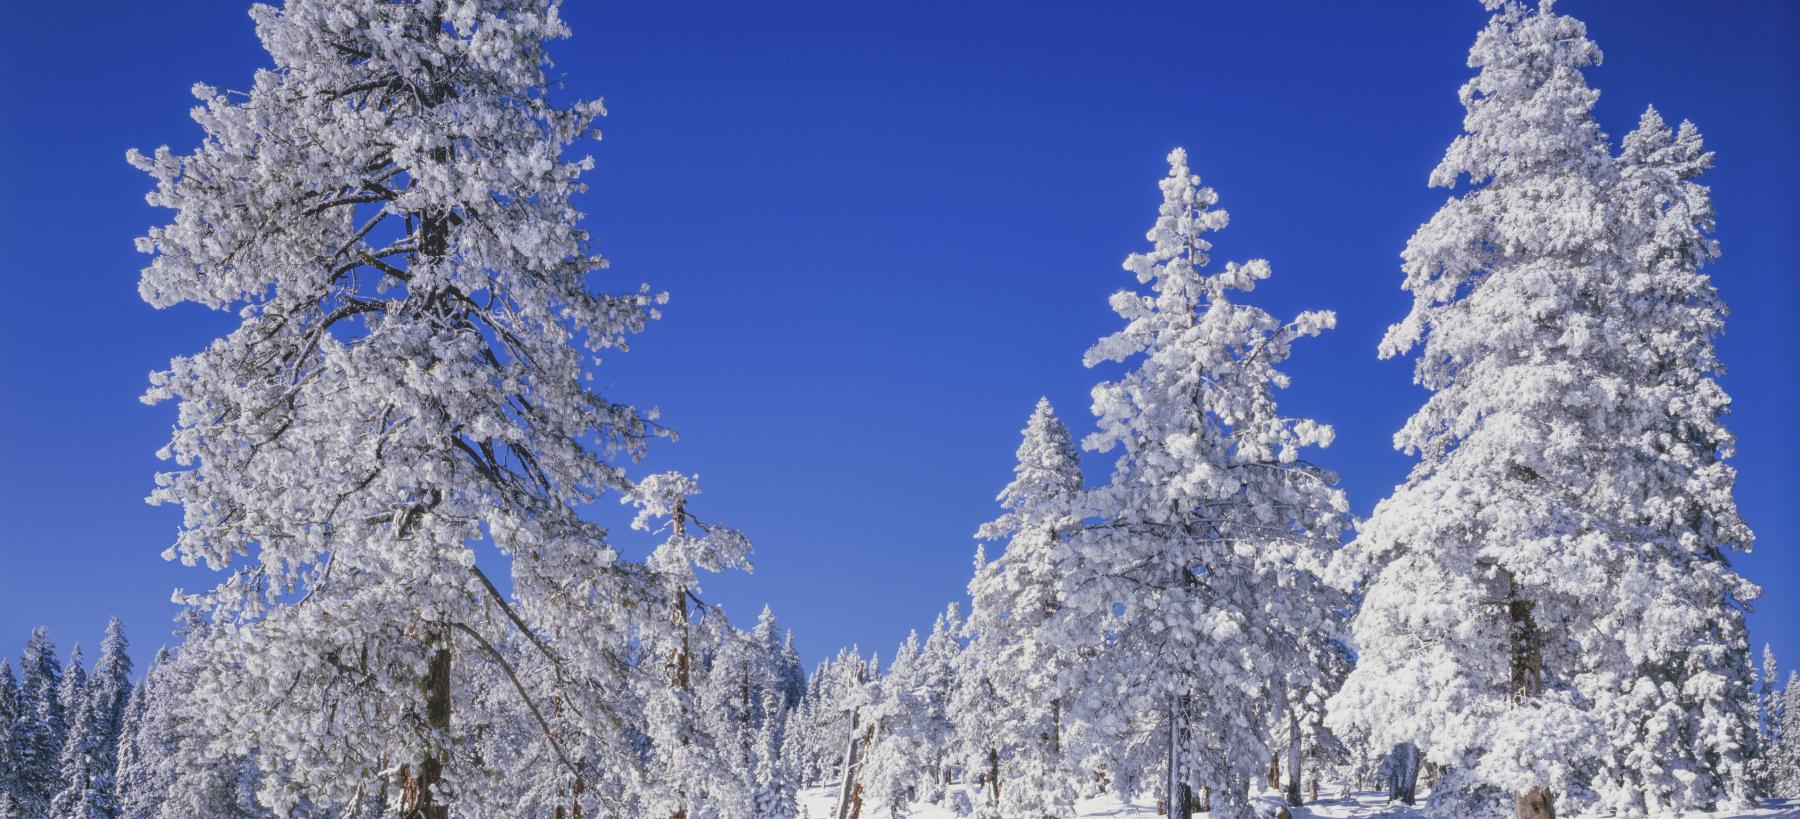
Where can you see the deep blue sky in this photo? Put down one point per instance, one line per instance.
(887, 228)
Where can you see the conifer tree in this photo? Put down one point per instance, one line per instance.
(9, 717)
(141, 743)
(1012, 605)
(1781, 760)
(72, 784)
(1549, 594)
(40, 728)
(89, 758)
(1184, 593)
(387, 210)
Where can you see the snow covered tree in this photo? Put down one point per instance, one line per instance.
(39, 729)
(1014, 662)
(1781, 759)
(1190, 586)
(772, 779)
(1768, 697)
(89, 758)
(9, 716)
(387, 210)
(78, 742)
(897, 750)
(167, 766)
(907, 758)
(1549, 594)
(141, 743)
(691, 772)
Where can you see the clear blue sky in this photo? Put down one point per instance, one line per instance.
(887, 228)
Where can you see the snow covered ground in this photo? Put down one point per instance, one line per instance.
(818, 803)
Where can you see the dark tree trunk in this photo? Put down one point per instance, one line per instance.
(1403, 774)
(1528, 686)
(417, 800)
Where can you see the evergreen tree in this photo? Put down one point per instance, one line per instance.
(1012, 605)
(89, 757)
(39, 730)
(72, 785)
(1187, 592)
(167, 766)
(387, 212)
(1582, 637)
(1768, 699)
(140, 745)
(696, 767)
(773, 780)
(1781, 761)
(9, 717)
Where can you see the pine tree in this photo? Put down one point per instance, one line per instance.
(89, 758)
(1571, 509)
(773, 779)
(40, 728)
(78, 740)
(9, 717)
(692, 773)
(140, 745)
(1184, 591)
(1768, 699)
(387, 211)
(1012, 604)
(1781, 761)
(167, 767)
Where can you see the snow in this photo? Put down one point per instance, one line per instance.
(816, 803)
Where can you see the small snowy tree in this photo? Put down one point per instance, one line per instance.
(387, 211)
(89, 758)
(1550, 613)
(1016, 664)
(167, 767)
(40, 728)
(73, 785)
(1190, 588)
(691, 771)
(1781, 760)
(9, 716)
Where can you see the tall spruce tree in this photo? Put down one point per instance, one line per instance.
(1183, 590)
(1550, 612)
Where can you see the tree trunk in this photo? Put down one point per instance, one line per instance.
(847, 785)
(994, 776)
(1293, 777)
(417, 800)
(1274, 772)
(682, 661)
(1527, 686)
(1403, 774)
(1176, 786)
